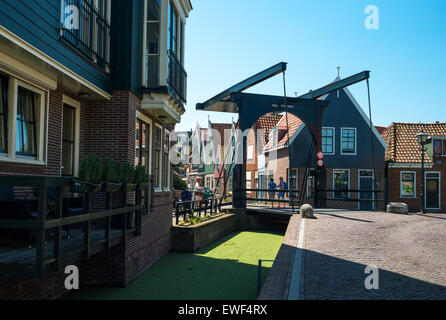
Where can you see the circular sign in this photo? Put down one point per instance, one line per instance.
(320, 163)
(320, 155)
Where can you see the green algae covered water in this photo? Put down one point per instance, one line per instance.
(225, 270)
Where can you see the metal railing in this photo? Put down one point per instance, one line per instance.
(46, 222)
(197, 208)
(177, 76)
(87, 31)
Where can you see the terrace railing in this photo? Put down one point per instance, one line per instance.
(116, 225)
(87, 31)
(177, 78)
(197, 208)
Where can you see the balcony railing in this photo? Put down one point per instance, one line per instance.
(87, 31)
(177, 77)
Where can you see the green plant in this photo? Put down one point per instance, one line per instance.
(128, 173)
(112, 171)
(140, 174)
(90, 170)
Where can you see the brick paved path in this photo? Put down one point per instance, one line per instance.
(409, 250)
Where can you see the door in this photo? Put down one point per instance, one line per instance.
(68, 140)
(432, 183)
(366, 202)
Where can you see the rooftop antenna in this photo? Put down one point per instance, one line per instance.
(295, 94)
(339, 68)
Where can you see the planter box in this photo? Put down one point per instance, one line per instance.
(111, 187)
(193, 238)
(128, 187)
(78, 186)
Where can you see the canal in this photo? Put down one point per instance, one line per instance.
(225, 270)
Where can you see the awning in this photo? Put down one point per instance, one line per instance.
(222, 102)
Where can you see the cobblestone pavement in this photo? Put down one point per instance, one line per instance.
(409, 250)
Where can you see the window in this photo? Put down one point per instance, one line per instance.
(3, 115)
(26, 143)
(142, 144)
(341, 182)
(166, 163)
(152, 47)
(328, 141)
(439, 147)
(292, 182)
(348, 141)
(68, 140)
(250, 153)
(173, 29)
(311, 184)
(408, 189)
(158, 155)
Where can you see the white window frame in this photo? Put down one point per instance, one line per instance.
(166, 188)
(77, 114)
(334, 141)
(308, 177)
(160, 173)
(439, 189)
(149, 121)
(333, 182)
(414, 184)
(356, 142)
(250, 152)
(41, 123)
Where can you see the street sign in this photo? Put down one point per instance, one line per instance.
(320, 163)
(320, 155)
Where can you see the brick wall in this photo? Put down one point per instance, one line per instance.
(415, 203)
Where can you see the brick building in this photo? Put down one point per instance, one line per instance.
(403, 165)
(110, 84)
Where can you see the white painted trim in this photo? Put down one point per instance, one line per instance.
(22, 71)
(166, 188)
(333, 181)
(334, 141)
(22, 160)
(414, 184)
(356, 142)
(373, 187)
(77, 108)
(160, 173)
(50, 61)
(439, 190)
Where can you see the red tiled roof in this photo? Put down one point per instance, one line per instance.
(293, 124)
(402, 145)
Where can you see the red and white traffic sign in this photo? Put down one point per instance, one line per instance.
(320, 155)
(320, 163)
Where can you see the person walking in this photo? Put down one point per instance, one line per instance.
(272, 194)
(281, 194)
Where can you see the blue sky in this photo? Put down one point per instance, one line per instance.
(229, 40)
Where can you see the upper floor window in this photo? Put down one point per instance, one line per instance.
(152, 47)
(348, 141)
(85, 24)
(3, 115)
(328, 141)
(439, 147)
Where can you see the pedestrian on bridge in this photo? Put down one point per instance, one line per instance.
(281, 194)
(272, 194)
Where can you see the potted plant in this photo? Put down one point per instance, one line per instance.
(128, 177)
(141, 177)
(90, 173)
(111, 176)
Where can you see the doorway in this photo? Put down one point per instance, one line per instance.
(365, 182)
(432, 183)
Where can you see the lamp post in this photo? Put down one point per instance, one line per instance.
(423, 139)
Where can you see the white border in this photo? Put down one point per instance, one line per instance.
(414, 182)
(439, 190)
(334, 141)
(148, 121)
(356, 141)
(160, 173)
(333, 177)
(77, 109)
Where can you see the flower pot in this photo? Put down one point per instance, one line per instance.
(142, 186)
(128, 187)
(111, 187)
(79, 186)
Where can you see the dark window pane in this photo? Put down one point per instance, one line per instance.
(26, 125)
(341, 178)
(437, 147)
